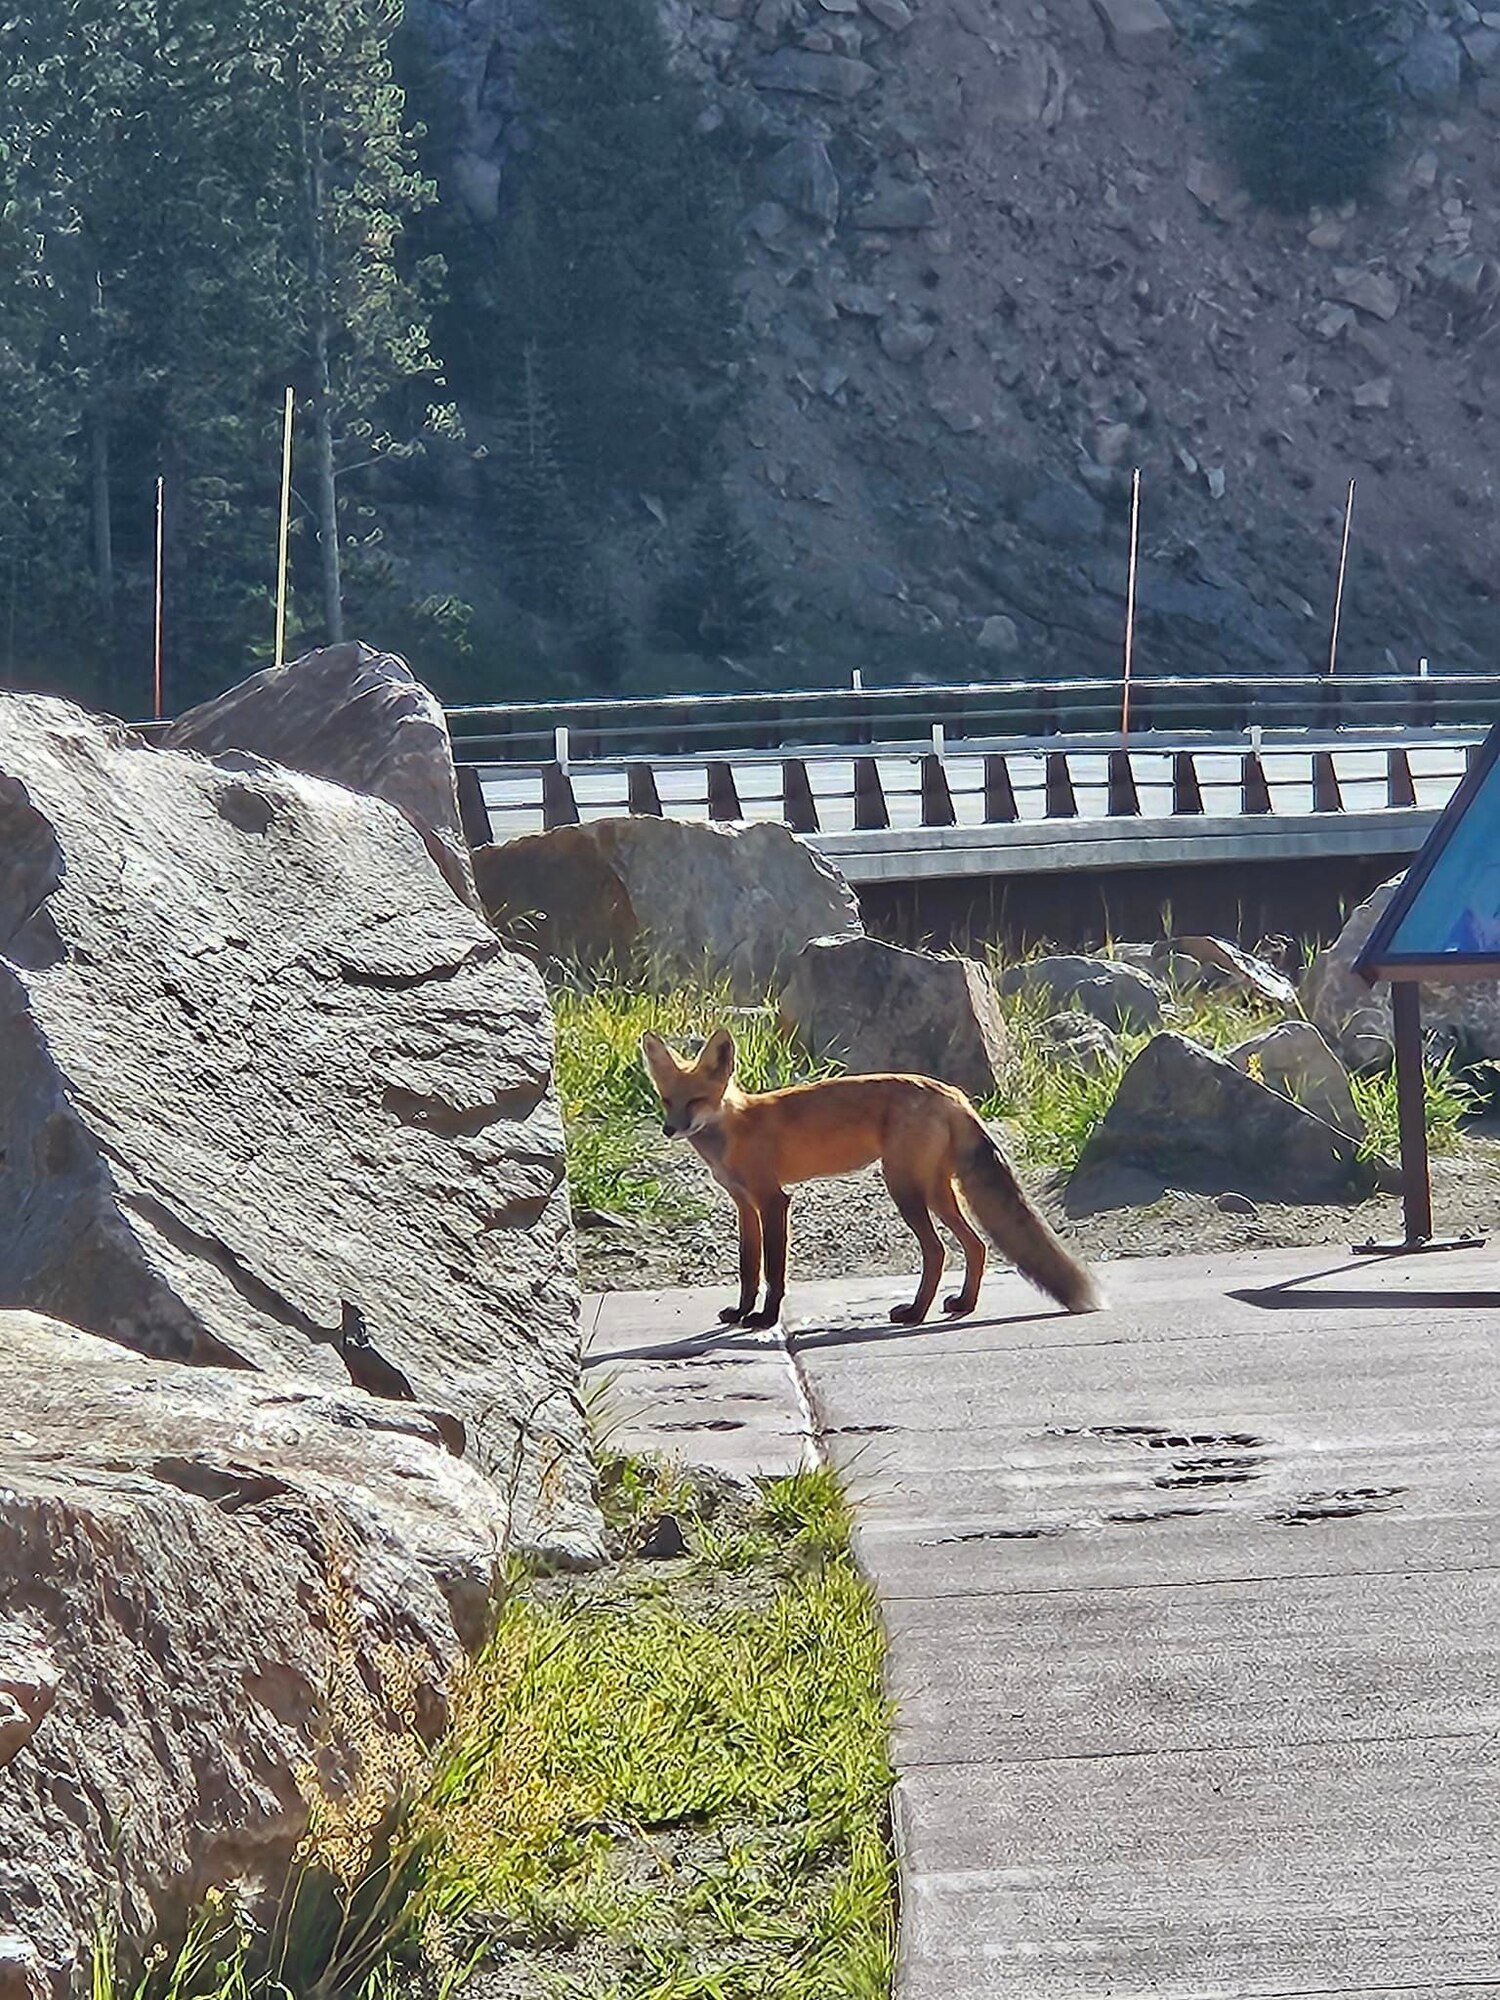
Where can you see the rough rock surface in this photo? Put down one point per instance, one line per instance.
(875, 1007)
(1111, 993)
(1294, 1059)
(263, 1071)
(354, 715)
(1198, 1122)
(1356, 1018)
(194, 1560)
(671, 896)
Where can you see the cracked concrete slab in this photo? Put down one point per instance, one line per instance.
(1192, 1608)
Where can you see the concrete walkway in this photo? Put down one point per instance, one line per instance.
(1194, 1611)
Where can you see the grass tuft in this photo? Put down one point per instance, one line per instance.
(668, 1782)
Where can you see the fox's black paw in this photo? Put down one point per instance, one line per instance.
(733, 1315)
(957, 1305)
(767, 1316)
(907, 1315)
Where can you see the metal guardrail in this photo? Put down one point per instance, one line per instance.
(908, 813)
(624, 730)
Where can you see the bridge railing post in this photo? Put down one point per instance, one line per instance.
(1061, 800)
(798, 806)
(937, 800)
(999, 793)
(723, 794)
(1124, 800)
(473, 812)
(559, 806)
(642, 797)
(1327, 797)
(1187, 794)
(871, 812)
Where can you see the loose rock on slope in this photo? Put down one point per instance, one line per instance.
(195, 1561)
(261, 1065)
(673, 897)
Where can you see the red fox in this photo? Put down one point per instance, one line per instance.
(926, 1136)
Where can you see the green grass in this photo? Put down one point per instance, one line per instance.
(1450, 1101)
(1049, 1105)
(669, 1782)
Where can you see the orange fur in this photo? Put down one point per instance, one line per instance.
(929, 1139)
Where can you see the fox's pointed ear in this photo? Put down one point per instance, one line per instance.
(661, 1065)
(717, 1059)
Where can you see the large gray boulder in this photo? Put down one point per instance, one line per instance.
(271, 1096)
(1119, 995)
(1356, 1018)
(1294, 1059)
(1196, 1121)
(205, 1574)
(358, 717)
(875, 1008)
(670, 899)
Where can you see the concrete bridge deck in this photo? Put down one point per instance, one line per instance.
(1194, 1610)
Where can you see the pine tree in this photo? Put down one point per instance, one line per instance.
(350, 185)
(1312, 99)
(615, 257)
(535, 524)
(720, 601)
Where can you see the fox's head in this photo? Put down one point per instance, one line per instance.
(691, 1093)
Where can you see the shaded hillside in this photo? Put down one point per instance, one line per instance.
(994, 258)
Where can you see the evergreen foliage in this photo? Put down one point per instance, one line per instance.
(720, 601)
(535, 523)
(201, 203)
(1312, 99)
(615, 258)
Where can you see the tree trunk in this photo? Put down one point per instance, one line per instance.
(327, 486)
(326, 496)
(102, 529)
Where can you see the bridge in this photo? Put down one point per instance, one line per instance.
(928, 798)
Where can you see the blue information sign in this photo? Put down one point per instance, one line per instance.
(1444, 920)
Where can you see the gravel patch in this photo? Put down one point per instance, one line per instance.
(848, 1227)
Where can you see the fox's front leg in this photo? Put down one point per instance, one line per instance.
(750, 1241)
(774, 1208)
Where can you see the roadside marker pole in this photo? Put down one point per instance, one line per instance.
(285, 527)
(1135, 542)
(1338, 599)
(161, 487)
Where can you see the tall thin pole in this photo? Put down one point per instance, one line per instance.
(1135, 542)
(1338, 600)
(161, 489)
(286, 516)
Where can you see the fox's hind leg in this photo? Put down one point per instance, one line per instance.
(750, 1243)
(912, 1203)
(946, 1207)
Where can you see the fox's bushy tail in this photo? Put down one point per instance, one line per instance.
(1002, 1210)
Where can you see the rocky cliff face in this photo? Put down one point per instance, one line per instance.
(993, 261)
